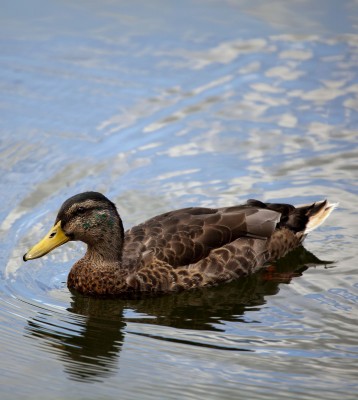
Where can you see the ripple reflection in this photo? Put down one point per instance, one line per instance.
(90, 342)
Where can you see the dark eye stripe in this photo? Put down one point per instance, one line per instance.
(82, 210)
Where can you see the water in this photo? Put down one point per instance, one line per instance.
(162, 105)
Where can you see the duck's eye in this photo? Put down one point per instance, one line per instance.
(80, 210)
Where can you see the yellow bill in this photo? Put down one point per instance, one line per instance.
(53, 239)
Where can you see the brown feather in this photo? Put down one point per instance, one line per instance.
(182, 249)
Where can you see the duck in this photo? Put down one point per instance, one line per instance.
(179, 250)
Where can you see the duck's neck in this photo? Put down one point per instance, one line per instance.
(105, 245)
(105, 253)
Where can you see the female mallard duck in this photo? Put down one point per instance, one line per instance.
(178, 250)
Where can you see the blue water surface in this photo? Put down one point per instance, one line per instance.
(162, 105)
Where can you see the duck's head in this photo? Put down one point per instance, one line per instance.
(89, 217)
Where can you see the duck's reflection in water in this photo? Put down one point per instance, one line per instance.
(90, 346)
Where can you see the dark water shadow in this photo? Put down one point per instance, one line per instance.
(91, 350)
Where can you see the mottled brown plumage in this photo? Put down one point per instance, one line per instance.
(182, 249)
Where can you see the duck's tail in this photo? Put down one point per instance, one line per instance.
(317, 213)
(302, 219)
(295, 223)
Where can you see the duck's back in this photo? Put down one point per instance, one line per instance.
(195, 247)
(188, 235)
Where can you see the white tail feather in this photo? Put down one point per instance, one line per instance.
(317, 219)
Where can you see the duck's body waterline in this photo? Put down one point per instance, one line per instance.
(179, 250)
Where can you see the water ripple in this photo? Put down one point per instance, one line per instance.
(160, 109)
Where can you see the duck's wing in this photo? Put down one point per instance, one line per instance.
(188, 235)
